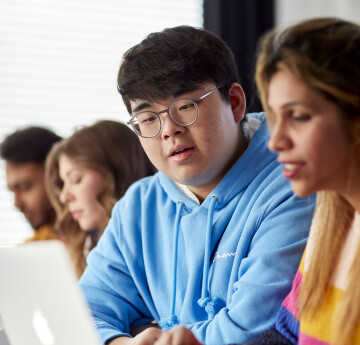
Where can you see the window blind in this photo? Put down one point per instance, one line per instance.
(58, 67)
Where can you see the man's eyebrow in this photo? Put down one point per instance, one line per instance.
(141, 106)
(19, 183)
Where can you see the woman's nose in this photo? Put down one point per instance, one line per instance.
(279, 139)
(65, 196)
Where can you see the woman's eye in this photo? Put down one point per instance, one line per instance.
(76, 180)
(300, 117)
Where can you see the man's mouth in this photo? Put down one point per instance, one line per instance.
(180, 151)
(177, 149)
(26, 213)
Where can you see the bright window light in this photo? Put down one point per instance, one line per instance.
(58, 67)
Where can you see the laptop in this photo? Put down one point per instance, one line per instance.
(41, 302)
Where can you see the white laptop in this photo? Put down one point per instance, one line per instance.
(40, 300)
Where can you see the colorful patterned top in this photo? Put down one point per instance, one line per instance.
(319, 331)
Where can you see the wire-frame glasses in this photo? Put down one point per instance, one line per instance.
(182, 111)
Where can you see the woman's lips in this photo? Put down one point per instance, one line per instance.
(76, 214)
(291, 169)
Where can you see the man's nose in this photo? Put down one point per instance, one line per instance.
(18, 201)
(169, 128)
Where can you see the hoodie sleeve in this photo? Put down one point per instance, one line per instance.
(112, 295)
(268, 252)
(265, 273)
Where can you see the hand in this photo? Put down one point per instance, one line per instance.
(177, 336)
(147, 337)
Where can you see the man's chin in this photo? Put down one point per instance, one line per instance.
(36, 225)
(43, 219)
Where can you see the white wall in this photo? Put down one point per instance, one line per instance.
(288, 11)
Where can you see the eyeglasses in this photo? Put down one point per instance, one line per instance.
(183, 112)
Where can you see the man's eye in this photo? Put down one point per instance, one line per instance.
(24, 187)
(186, 106)
(147, 119)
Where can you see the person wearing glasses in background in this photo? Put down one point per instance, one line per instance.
(213, 240)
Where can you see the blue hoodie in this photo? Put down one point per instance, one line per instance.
(221, 268)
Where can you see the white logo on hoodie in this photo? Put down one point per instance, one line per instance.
(222, 256)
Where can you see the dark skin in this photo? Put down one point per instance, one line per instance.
(26, 181)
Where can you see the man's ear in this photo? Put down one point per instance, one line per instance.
(237, 101)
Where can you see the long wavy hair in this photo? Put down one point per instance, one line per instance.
(109, 148)
(324, 53)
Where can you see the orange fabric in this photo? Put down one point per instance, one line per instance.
(45, 232)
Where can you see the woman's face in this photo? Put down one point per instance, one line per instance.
(81, 188)
(309, 137)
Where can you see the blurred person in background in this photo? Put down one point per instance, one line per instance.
(86, 174)
(25, 152)
(308, 76)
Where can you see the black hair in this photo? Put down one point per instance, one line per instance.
(31, 144)
(175, 61)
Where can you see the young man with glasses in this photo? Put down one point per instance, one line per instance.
(214, 239)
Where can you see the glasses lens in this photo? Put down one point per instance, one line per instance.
(146, 124)
(184, 111)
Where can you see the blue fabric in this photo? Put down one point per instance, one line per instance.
(257, 230)
(270, 337)
(287, 325)
(172, 320)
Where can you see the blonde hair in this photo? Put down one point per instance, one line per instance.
(324, 53)
(111, 149)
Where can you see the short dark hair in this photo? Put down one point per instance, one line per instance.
(31, 144)
(174, 61)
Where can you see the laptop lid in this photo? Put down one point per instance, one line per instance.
(41, 302)
(3, 339)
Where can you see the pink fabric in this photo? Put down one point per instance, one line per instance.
(305, 339)
(290, 302)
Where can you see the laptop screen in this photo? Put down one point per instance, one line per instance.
(41, 302)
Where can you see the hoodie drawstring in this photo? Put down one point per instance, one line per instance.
(172, 320)
(205, 301)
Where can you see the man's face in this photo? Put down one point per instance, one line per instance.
(198, 155)
(26, 181)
